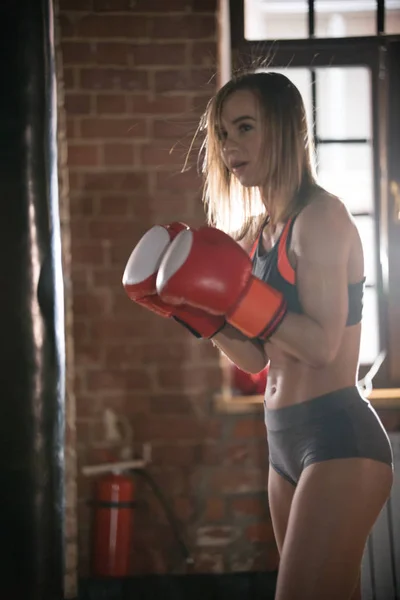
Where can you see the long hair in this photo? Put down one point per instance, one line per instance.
(287, 158)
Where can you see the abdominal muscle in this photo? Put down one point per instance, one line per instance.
(291, 381)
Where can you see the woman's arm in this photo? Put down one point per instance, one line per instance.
(247, 354)
(321, 242)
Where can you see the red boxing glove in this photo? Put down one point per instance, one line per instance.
(249, 383)
(139, 281)
(209, 270)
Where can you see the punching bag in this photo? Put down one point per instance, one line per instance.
(31, 310)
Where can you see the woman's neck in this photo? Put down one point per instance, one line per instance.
(275, 208)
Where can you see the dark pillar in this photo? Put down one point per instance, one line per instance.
(31, 309)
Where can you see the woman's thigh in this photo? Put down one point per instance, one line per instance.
(280, 496)
(334, 508)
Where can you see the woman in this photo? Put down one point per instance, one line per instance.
(331, 462)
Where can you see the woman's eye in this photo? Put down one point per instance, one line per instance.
(245, 127)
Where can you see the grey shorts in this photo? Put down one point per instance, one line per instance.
(341, 424)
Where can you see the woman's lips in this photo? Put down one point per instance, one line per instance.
(239, 167)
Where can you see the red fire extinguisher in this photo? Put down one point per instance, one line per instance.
(113, 504)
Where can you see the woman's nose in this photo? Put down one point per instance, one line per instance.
(229, 144)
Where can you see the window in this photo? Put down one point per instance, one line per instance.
(351, 88)
(338, 105)
(299, 19)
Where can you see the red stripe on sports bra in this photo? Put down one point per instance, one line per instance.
(254, 248)
(284, 266)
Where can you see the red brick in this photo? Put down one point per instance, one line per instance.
(262, 557)
(114, 205)
(83, 5)
(193, 376)
(70, 78)
(109, 230)
(141, 5)
(167, 206)
(193, 26)
(249, 428)
(94, 303)
(260, 532)
(184, 508)
(173, 403)
(82, 206)
(111, 381)
(154, 155)
(113, 26)
(75, 52)
(119, 254)
(74, 182)
(160, 105)
(88, 353)
(111, 104)
(174, 455)
(171, 428)
(198, 102)
(159, 54)
(210, 454)
(204, 54)
(98, 78)
(245, 453)
(118, 154)
(176, 428)
(199, 79)
(172, 479)
(237, 454)
(112, 53)
(254, 506)
(243, 479)
(88, 253)
(121, 329)
(128, 406)
(72, 131)
(182, 182)
(216, 535)
(113, 128)
(115, 182)
(215, 509)
(122, 354)
(167, 352)
(77, 104)
(174, 129)
(81, 277)
(83, 155)
(105, 277)
(67, 25)
(209, 561)
(79, 230)
(204, 5)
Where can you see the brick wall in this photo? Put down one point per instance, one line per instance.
(137, 76)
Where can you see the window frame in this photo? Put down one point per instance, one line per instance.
(381, 54)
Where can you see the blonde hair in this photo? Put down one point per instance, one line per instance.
(288, 165)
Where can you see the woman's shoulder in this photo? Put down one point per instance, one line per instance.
(323, 221)
(325, 210)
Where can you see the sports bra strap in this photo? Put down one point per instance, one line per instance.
(284, 266)
(254, 247)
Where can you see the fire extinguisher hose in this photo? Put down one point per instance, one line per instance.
(168, 512)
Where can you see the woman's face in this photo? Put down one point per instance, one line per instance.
(241, 135)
